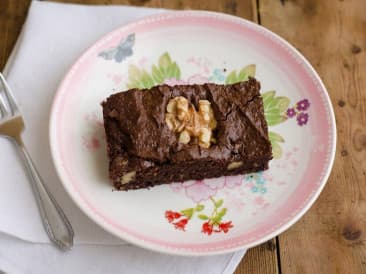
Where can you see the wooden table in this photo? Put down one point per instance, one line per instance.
(331, 237)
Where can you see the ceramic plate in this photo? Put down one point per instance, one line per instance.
(196, 217)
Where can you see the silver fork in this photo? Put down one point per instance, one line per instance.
(54, 220)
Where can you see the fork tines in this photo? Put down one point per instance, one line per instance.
(9, 98)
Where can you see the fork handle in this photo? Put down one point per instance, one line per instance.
(54, 219)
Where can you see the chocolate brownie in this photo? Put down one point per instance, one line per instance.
(176, 133)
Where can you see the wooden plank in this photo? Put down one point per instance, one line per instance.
(261, 259)
(246, 9)
(331, 237)
(12, 16)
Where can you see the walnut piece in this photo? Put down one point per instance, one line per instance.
(181, 117)
(128, 177)
(234, 165)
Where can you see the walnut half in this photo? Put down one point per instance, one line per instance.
(181, 117)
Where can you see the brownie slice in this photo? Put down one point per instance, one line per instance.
(144, 150)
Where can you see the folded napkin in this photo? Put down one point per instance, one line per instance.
(53, 36)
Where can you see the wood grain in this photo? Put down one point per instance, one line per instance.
(262, 259)
(331, 238)
(12, 17)
(246, 9)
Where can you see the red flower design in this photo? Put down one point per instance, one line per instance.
(211, 224)
(181, 225)
(172, 215)
(225, 226)
(207, 228)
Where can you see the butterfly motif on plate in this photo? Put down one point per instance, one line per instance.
(121, 51)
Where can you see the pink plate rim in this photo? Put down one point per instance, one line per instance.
(297, 207)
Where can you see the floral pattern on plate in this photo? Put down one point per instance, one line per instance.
(201, 192)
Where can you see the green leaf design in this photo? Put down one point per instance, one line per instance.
(199, 207)
(219, 203)
(188, 212)
(267, 96)
(217, 219)
(165, 60)
(275, 112)
(166, 69)
(278, 103)
(231, 78)
(251, 70)
(272, 105)
(243, 75)
(133, 84)
(135, 77)
(275, 137)
(222, 212)
(276, 150)
(203, 216)
(146, 79)
(157, 75)
(273, 120)
(275, 107)
(246, 72)
(283, 103)
(174, 71)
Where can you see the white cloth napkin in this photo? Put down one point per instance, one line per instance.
(53, 36)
